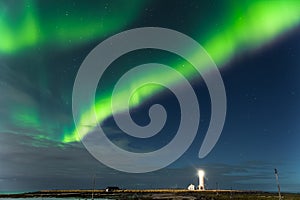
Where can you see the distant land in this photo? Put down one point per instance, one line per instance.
(154, 194)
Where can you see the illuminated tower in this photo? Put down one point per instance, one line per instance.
(201, 179)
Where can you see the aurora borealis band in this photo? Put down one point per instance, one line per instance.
(37, 24)
(244, 28)
(222, 47)
(253, 43)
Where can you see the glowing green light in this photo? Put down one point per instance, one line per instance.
(246, 27)
(71, 26)
(25, 34)
(27, 117)
(260, 23)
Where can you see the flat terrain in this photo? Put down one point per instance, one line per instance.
(155, 194)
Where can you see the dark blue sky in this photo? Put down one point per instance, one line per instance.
(261, 130)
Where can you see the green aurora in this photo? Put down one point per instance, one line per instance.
(40, 23)
(242, 28)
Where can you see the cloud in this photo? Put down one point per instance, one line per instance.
(28, 166)
(24, 166)
(27, 108)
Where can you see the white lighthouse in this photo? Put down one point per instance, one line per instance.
(201, 179)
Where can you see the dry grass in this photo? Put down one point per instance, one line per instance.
(158, 194)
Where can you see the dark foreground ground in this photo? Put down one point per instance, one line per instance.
(154, 194)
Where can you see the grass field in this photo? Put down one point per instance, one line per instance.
(157, 194)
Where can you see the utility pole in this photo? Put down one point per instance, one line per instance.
(277, 180)
(94, 183)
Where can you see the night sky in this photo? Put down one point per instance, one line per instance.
(255, 44)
